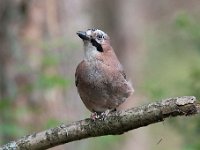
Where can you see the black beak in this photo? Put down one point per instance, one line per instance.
(82, 35)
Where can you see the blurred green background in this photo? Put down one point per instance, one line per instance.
(158, 43)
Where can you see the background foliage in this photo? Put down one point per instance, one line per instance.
(158, 44)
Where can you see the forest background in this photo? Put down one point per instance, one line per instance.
(158, 43)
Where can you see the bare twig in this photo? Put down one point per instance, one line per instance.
(115, 123)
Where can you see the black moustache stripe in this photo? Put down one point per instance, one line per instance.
(97, 45)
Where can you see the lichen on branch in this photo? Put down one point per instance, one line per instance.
(115, 123)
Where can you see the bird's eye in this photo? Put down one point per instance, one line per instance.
(99, 36)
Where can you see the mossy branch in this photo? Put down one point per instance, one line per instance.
(115, 123)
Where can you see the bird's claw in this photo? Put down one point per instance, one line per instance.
(100, 115)
(94, 116)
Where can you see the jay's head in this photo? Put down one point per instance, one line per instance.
(94, 38)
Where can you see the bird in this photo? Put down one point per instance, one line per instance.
(100, 78)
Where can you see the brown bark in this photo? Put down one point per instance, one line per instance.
(115, 123)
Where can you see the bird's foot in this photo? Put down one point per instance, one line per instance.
(94, 116)
(104, 114)
(101, 115)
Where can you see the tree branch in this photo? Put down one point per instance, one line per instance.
(115, 123)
